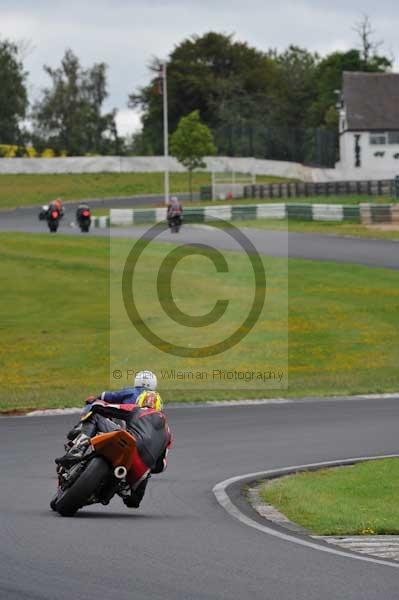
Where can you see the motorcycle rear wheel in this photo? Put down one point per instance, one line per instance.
(76, 496)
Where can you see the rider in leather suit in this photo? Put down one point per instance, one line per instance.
(146, 422)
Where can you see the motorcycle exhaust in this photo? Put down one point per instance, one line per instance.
(120, 472)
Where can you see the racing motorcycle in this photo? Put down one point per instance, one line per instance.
(175, 222)
(43, 212)
(97, 476)
(83, 217)
(53, 217)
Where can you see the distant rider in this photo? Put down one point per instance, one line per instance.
(174, 208)
(80, 209)
(56, 205)
(47, 208)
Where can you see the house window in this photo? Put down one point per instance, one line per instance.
(378, 138)
(393, 137)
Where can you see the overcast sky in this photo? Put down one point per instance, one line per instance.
(126, 34)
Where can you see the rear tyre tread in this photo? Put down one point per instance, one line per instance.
(80, 491)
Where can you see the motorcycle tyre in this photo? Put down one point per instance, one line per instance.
(76, 496)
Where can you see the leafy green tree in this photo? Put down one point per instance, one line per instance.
(225, 80)
(296, 89)
(191, 141)
(13, 93)
(69, 115)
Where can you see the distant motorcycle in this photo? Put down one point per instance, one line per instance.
(174, 214)
(175, 222)
(83, 217)
(43, 212)
(53, 217)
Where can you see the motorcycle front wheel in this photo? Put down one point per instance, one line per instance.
(70, 500)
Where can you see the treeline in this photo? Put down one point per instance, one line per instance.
(265, 104)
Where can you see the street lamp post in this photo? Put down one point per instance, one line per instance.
(165, 129)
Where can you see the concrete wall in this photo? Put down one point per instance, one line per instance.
(142, 164)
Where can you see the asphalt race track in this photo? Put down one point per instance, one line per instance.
(181, 544)
(377, 253)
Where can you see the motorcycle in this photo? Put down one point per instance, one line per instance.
(83, 217)
(175, 222)
(53, 219)
(43, 212)
(97, 476)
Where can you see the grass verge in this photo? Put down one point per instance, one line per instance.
(54, 320)
(25, 190)
(337, 228)
(355, 500)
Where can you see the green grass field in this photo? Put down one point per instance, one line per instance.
(355, 500)
(25, 190)
(344, 199)
(338, 228)
(55, 323)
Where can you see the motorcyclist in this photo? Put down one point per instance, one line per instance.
(80, 209)
(144, 380)
(146, 422)
(174, 209)
(56, 205)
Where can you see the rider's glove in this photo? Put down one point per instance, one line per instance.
(90, 399)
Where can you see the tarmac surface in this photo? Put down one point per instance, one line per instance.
(181, 544)
(375, 253)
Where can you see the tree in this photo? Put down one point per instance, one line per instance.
(223, 79)
(191, 141)
(13, 94)
(297, 80)
(369, 46)
(69, 115)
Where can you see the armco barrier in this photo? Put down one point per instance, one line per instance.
(362, 213)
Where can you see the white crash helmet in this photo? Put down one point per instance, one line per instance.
(146, 379)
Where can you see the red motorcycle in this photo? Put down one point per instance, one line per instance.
(83, 217)
(53, 219)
